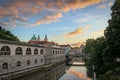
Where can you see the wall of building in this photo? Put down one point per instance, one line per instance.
(58, 55)
(12, 59)
(35, 59)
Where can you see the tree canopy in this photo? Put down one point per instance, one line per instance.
(105, 50)
(7, 35)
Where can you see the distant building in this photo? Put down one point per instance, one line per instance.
(49, 57)
(66, 47)
(38, 41)
(78, 50)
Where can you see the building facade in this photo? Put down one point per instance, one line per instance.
(21, 57)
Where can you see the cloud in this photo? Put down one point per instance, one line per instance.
(96, 34)
(61, 28)
(78, 31)
(110, 4)
(102, 6)
(76, 44)
(43, 9)
(86, 18)
(48, 19)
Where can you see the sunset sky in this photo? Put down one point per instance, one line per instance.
(64, 21)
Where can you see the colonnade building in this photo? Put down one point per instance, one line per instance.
(18, 57)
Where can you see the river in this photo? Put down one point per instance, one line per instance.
(75, 73)
(58, 72)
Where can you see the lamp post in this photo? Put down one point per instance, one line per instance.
(94, 73)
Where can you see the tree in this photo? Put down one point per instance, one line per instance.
(7, 35)
(104, 51)
(112, 32)
(0, 28)
(96, 50)
(112, 50)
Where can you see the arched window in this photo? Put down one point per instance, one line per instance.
(35, 61)
(18, 51)
(28, 51)
(53, 51)
(28, 62)
(5, 65)
(18, 64)
(41, 51)
(5, 50)
(35, 51)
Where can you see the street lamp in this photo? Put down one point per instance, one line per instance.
(94, 73)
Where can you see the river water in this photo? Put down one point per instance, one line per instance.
(58, 72)
(75, 73)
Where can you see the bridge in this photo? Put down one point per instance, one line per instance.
(77, 59)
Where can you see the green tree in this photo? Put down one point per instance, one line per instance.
(104, 51)
(96, 50)
(112, 32)
(7, 35)
(112, 50)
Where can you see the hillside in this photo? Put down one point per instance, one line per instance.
(7, 35)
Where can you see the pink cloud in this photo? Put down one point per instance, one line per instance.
(78, 31)
(29, 8)
(48, 19)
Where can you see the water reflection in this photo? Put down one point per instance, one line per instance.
(58, 72)
(53, 73)
(75, 73)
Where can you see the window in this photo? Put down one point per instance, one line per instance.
(41, 60)
(5, 50)
(35, 60)
(28, 51)
(18, 51)
(53, 51)
(56, 51)
(41, 51)
(18, 64)
(5, 65)
(35, 51)
(28, 62)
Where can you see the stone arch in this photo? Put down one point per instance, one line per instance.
(5, 50)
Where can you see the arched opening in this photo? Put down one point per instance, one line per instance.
(35, 51)
(18, 64)
(28, 51)
(5, 50)
(28, 62)
(41, 51)
(18, 51)
(5, 65)
(35, 61)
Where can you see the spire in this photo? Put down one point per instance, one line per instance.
(46, 39)
(33, 38)
(38, 38)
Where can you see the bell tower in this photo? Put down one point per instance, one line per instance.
(46, 39)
